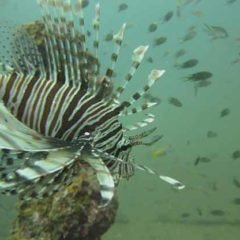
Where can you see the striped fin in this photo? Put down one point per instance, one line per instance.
(175, 183)
(143, 123)
(137, 57)
(127, 167)
(142, 134)
(136, 139)
(117, 38)
(149, 143)
(15, 135)
(66, 41)
(59, 27)
(138, 109)
(120, 166)
(96, 26)
(25, 54)
(152, 77)
(104, 177)
(6, 69)
(27, 171)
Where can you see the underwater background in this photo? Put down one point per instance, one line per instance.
(199, 119)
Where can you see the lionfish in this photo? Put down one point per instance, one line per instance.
(58, 108)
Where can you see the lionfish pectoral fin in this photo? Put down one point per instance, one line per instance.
(175, 183)
(105, 179)
(17, 136)
(36, 174)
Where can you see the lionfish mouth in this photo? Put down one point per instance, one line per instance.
(59, 107)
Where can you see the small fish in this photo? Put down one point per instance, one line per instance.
(236, 201)
(189, 35)
(180, 53)
(175, 102)
(85, 3)
(160, 40)
(224, 112)
(201, 159)
(161, 151)
(151, 98)
(197, 161)
(188, 64)
(199, 76)
(149, 59)
(211, 134)
(215, 32)
(217, 212)
(152, 27)
(236, 60)
(236, 154)
(214, 186)
(236, 182)
(108, 37)
(185, 215)
(229, 2)
(168, 16)
(122, 7)
(203, 83)
(199, 211)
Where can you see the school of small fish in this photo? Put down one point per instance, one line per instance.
(193, 72)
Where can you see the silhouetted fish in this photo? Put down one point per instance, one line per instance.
(188, 64)
(175, 102)
(122, 7)
(236, 154)
(225, 112)
(199, 76)
(168, 16)
(211, 134)
(152, 27)
(159, 41)
(236, 201)
(180, 53)
(217, 212)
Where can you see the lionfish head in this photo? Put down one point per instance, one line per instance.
(60, 107)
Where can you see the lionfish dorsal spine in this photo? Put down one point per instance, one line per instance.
(141, 124)
(117, 38)
(96, 26)
(65, 47)
(137, 57)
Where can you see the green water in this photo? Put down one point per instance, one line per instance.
(150, 209)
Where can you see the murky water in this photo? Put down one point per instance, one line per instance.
(206, 30)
